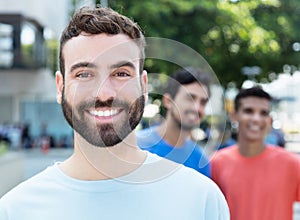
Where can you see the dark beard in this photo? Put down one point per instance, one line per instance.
(105, 135)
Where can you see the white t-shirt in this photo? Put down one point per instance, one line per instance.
(156, 190)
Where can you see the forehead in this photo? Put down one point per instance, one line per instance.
(255, 103)
(194, 88)
(101, 49)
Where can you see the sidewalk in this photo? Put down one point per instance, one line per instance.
(17, 166)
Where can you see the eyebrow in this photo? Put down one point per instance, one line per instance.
(82, 64)
(92, 65)
(122, 64)
(193, 95)
(252, 109)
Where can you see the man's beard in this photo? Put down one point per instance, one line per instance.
(181, 125)
(104, 135)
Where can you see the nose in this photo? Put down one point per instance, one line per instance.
(199, 107)
(256, 117)
(104, 90)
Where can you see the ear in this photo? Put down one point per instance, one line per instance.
(59, 86)
(144, 81)
(167, 100)
(270, 121)
(232, 116)
(234, 120)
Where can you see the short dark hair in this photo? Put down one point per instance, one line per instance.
(184, 76)
(101, 20)
(255, 91)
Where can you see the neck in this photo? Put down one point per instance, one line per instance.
(252, 149)
(172, 133)
(98, 163)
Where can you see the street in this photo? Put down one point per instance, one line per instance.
(17, 166)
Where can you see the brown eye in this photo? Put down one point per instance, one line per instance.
(248, 110)
(122, 74)
(203, 102)
(265, 113)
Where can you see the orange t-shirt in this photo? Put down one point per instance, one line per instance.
(263, 187)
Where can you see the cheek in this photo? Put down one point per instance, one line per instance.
(185, 105)
(178, 108)
(131, 88)
(75, 93)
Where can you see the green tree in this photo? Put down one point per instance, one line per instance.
(228, 34)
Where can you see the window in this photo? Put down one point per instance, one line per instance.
(6, 46)
(22, 43)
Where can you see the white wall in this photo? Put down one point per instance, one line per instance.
(19, 85)
(49, 13)
(36, 84)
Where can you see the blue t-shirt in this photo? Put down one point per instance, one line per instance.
(190, 154)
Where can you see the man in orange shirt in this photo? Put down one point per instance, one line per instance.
(260, 182)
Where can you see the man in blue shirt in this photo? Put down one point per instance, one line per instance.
(185, 98)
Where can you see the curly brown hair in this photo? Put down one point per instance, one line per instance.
(101, 20)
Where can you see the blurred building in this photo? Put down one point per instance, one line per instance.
(27, 83)
(51, 14)
(285, 90)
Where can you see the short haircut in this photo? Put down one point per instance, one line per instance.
(186, 76)
(101, 20)
(255, 91)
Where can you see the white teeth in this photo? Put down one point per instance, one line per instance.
(255, 128)
(192, 116)
(105, 113)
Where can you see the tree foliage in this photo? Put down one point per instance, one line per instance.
(229, 34)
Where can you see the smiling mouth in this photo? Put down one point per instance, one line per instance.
(193, 115)
(105, 113)
(254, 127)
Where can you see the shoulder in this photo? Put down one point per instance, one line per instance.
(147, 137)
(170, 170)
(185, 177)
(196, 180)
(226, 157)
(164, 172)
(196, 152)
(283, 154)
(189, 189)
(28, 187)
(195, 183)
(144, 132)
(192, 143)
(193, 146)
(225, 153)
